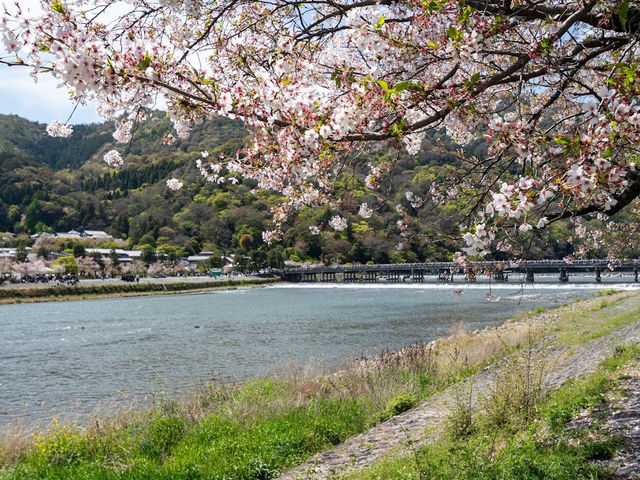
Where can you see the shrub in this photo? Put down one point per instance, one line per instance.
(601, 449)
(397, 405)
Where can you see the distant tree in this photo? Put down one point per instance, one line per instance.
(87, 266)
(5, 266)
(21, 253)
(275, 257)
(258, 258)
(78, 250)
(148, 255)
(120, 226)
(241, 260)
(358, 253)
(97, 257)
(67, 265)
(33, 215)
(14, 213)
(157, 269)
(177, 269)
(115, 259)
(215, 261)
(43, 227)
(147, 239)
(246, 242)
(43, 245)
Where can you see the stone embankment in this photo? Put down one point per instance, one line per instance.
(618, 417)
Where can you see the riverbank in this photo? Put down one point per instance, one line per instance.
(266, 426)
(45, 293)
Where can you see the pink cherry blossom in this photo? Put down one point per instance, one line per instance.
(365, 211)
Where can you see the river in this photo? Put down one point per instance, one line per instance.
(69, 358)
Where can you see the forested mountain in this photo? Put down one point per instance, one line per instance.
(54, 184)
(22, 138)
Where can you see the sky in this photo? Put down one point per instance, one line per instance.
(41, 102)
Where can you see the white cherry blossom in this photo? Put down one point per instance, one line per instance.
(338, 223)
(57, 129)
(174, 184)
(113, 158)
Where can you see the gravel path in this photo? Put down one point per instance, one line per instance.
(619, 417)
(410, 426)
(624, 421)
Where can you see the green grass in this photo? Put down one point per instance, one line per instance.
(605, 315)
(541, 449)
(165, 445)
(219, 447)
(254, 431)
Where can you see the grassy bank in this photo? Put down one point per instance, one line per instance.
(519, 441)
(97, 290)
(262, 428)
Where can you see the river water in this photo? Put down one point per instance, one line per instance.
(69, 358)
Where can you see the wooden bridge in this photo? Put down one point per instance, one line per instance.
(445, 271)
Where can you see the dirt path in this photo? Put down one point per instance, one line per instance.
(364, 449)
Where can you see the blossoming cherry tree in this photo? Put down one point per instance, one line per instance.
(552, 85)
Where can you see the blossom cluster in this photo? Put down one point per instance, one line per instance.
(174, 184)
(314, 229)
(113, 158)
(365, 211)
(123, 131)
(338, 223)
(414, 200)
(57, 129)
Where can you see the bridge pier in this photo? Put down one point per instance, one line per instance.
(309, 277)
(369, 277)
(329, 277)
(564, 277)
(349, 277)
(417, 276)
(529, 278)
(445, 276)
(394, 277)
(635, 274)
(598, 277)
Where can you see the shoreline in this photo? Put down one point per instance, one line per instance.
(11, 296)
(96, 290)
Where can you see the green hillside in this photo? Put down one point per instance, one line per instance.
(53, 184)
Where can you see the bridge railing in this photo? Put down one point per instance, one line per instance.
(521, 266)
